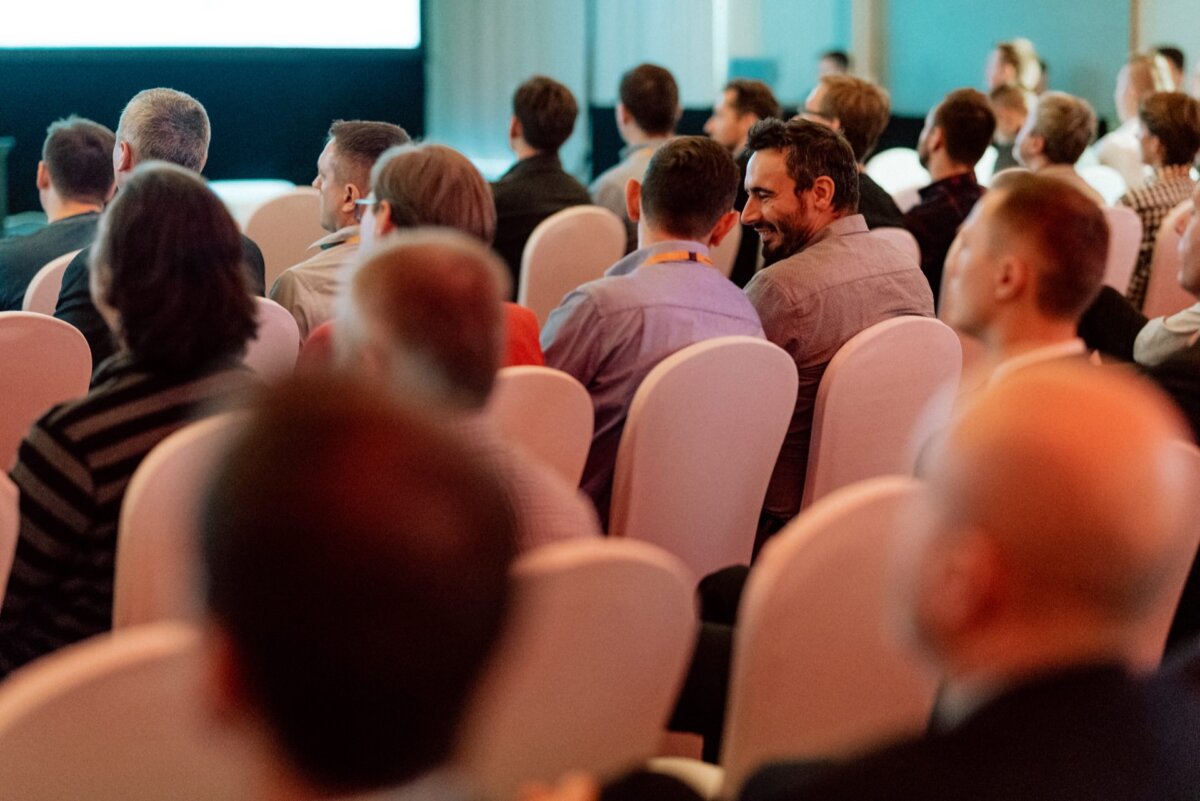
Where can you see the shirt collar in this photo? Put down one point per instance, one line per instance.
(1172, 172)
(342, 236)
(653, 143)
(1059, 350)
(850, 224)
(948, 186)
(638, 257)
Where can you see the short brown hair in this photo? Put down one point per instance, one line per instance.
(968, 124)
(1065, 228)
(1174, 118)
(752, 96)
(546, 110)
(359, 144)
(1066, 123)
(79, 157)
(812, 150)
(428, 184)
(1010, 97)
(690, 182)
(861, 107)
(650, 94)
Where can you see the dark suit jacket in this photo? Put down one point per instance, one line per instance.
(876, 205)
(75, 299)
(1091, 733)
(22, 256)
(532, 190)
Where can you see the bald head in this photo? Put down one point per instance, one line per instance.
(425, 310)
(1058, 502)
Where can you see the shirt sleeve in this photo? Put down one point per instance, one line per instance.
(571, 337)
(286, 292)
(75, 307)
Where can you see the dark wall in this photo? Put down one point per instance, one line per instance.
(270, 109)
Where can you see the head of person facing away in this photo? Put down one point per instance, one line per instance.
(427, 185)
(833, 62)
(544, 113)
(687, 193)
(1188, 228)
(344, 167)
(75, 174)
(1176, 64)
(353, 599)
(423, 316)
(1169, 133)
(1053, 512)
(1058, 130)
(743, 102)
(1143, 75)
(956, 134)
(802, 177)
(648, 104)
(1027, 262)
(167, 274)
(161, 125)
(1010, 105)
(858, 108)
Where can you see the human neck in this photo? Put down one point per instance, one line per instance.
(57, 209)
(636, 137)
(648, 236)
(941, 169)
(1029, 333)
(524, 150)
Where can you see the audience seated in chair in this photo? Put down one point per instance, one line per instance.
(422, 316)
(1162, 337)
(1055, 134)
(957, 133)
(156, 125)
(309, 289)
(1143, 75)
(354, 599)
(544, 113)
(827, 278)
(611, 332)
(1030, 593)
(1010, 104)
(167, 275)
(74, 181)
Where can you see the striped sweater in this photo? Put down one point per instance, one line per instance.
(72, 470)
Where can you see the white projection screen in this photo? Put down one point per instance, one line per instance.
(367, 24)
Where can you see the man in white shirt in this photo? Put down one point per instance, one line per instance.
(1144, 75)
(1165, 336)
(1026, 264)
(308, 289)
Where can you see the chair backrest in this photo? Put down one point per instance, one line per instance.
(725, 254)
(897, 168)
(43, 361)
(548, 413)
(10, 521)
(900, 239)
(274, 350)
(699, 445)
(118, 717)
(1105, 180)
(883, 394)
(907, 197)
(1164, 295)
(284, 227)
(156, 575)
(567, 249)
(986, 166)
(1124, 242)
(817, 671)
(41, 295)
(586, 673)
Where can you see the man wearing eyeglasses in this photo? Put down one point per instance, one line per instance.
(308, 289)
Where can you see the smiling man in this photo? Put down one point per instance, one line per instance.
(827, 278)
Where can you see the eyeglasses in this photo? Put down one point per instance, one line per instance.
(361, 204)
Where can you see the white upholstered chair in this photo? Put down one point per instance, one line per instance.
(548, 413)
(284, 227)
(884, 393)
(42, 293)
(156, 576)
(567, 249)
(900, 239)
(10, 520)
(274, 350)
(43, 361)
(897, 168)
(700, 442)
(1105, 180)
(1124, 242)
(588, 668)
(118, 717)
(1164, 295)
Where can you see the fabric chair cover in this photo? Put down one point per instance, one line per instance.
(897, 168)
(1105, 180)
(900, 239)
(567, 249)
(41, 295)
(10, 521)
(273, 352)
(284, 228)
(699, 445)
(548, 413)
(118, 717)
(156, 576)
(1164, 295)
(586, 674)
(883, 394)
(1124, 241)
(43, 362)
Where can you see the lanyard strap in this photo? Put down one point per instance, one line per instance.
(679, 255)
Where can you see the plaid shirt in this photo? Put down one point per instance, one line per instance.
(1169, 187)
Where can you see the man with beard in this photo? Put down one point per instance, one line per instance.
(827, 279)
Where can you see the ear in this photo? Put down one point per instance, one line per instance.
(43, 176)
(515, 130)
(961, 587)
(623, 115)
(350, 193)
(1037, 143)
(721, 230)
(823, 190)
(936, 140)
(1014, 276)
(633, 199)
(383, 220)
(836, 124)
(122, 157)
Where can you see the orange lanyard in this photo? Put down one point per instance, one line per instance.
(679, 255)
